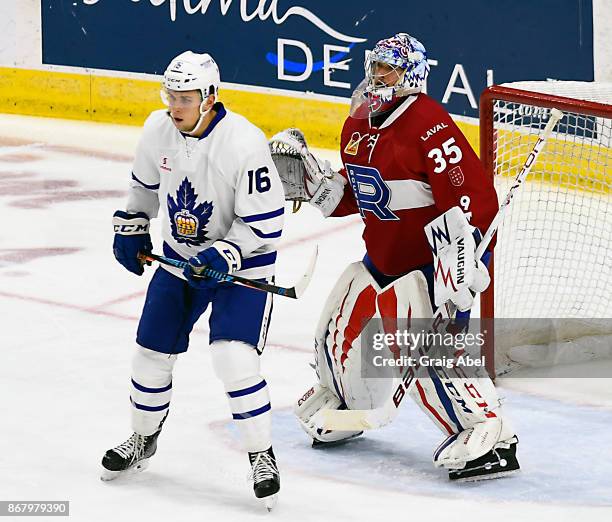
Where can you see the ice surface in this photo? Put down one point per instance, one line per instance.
(68, 317)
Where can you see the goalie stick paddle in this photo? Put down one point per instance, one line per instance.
(357, 420)
(294, 292)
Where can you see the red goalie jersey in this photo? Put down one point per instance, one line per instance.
(407, 172)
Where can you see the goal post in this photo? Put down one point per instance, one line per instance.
(552, 266)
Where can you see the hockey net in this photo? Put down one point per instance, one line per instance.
(552, 268)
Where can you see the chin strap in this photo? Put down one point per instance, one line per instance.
(203, 114)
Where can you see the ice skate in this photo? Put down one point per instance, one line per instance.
(132, 456)
(265, 476)
(501, 461)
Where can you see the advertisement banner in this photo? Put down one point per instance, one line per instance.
(319, 46)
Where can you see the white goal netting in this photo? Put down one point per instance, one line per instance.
(553, 259)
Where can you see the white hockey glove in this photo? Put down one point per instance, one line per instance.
(458, 275)
(304, 176)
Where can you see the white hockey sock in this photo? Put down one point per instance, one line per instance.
(151, 389)
(237, 365)
(249, 402)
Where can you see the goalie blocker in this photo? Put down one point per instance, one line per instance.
(479, 440)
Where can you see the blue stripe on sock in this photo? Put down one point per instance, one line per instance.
(247, 391)
(149, 408)
(252, 413)
(142, 388)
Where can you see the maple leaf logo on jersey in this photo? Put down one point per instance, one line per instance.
(188, 220)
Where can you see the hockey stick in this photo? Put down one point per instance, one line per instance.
(356, 420)
(294, 292)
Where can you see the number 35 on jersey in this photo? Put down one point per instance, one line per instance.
(450, 153)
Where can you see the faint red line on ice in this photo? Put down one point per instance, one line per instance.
(323, 232)
(69, 306)
(115, 315)
(19, 158)
(289, 347)
(23, 255)
(75, 151)
(61, 197)
(118, 300)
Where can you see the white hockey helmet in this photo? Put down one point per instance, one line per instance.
(190, 71)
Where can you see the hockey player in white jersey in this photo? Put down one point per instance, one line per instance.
(207, 173)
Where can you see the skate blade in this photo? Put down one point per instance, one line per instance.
(491, 476)
(108, 475)
(270, 501)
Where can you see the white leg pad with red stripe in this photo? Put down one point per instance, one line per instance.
(354, 301)
(454, 402)
(350, 306)
(467, 410)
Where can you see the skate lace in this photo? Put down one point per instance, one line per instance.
(133, 448)
(263, 468)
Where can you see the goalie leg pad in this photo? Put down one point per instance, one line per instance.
(351, 300)
(459, 448)
(468, 410)
(352, 297)
(355, 300)
(342, 343)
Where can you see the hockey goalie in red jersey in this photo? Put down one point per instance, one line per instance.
(424, 198)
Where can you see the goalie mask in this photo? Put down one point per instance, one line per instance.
(395, 68)
(190, 71)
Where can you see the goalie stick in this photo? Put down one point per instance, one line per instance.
(294, 292)
(356, 420)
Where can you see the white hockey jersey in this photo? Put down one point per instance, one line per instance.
(223, 185)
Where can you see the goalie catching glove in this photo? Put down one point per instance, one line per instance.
(304, 176)
(458, 275)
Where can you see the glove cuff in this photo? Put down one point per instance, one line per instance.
(231, 253)
(130, 224)
(328, 195)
